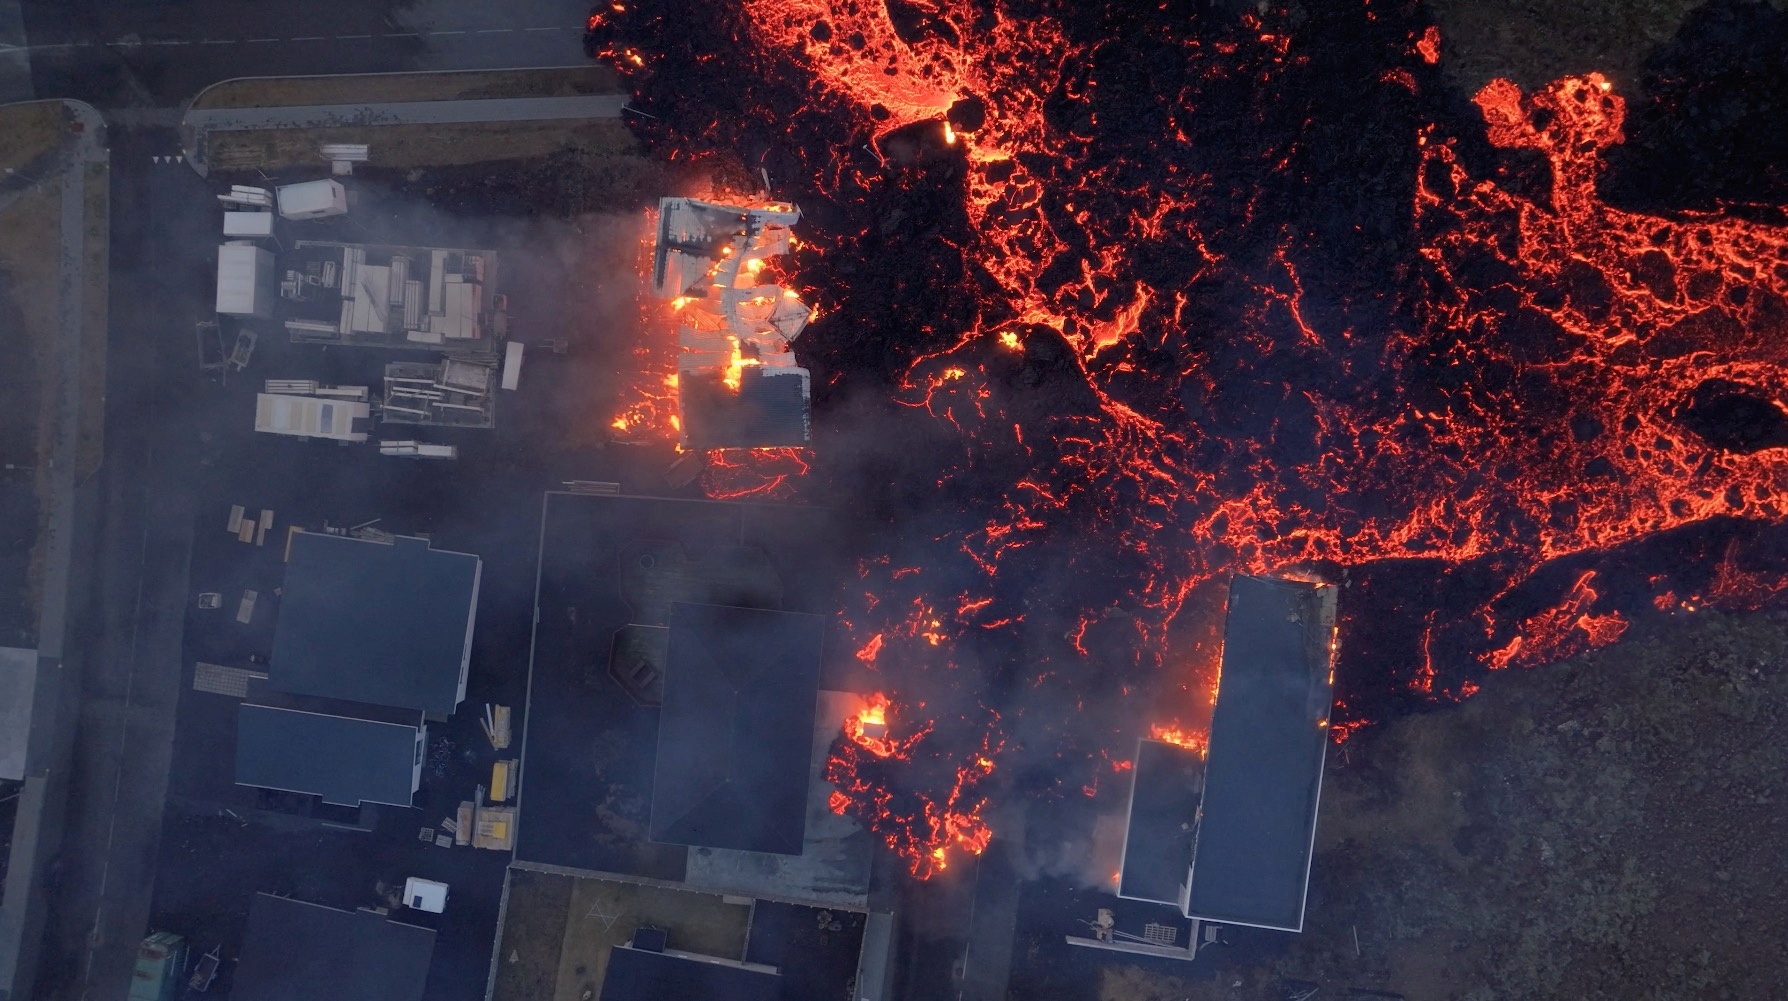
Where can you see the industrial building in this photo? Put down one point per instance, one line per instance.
(425, 298)
(644, 970)
(734, 741)
(298, 951)
(1227, 836)
(383, 623)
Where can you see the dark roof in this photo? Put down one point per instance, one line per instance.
(768, 410)
(1251, 862)
(735, 735)
(296, 951)
(344, 760)
(1163, 808)
(384, 623)
(638, 975)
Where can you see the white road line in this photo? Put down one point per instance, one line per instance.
(495, 31)
(544, 29)
(402, 34)
(251, 41)
(168, 42)
(343, 38)
(218, 41)
(310, 38)
(446, 32)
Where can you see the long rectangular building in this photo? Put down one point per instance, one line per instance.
(1269, 736)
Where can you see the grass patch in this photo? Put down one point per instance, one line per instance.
(532, 935)
(28, 237)
(31, 130)
(371, 88)
(411, 146)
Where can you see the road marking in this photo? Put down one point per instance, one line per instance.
(218, 41)
(346, 37)
(403, 34)
(311, 38)
(167, 42)
(252, 41)
(495, 31)
(544, 29)
(446, 32)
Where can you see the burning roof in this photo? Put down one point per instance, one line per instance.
(707, 261)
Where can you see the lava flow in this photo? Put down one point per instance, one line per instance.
(1158, 296)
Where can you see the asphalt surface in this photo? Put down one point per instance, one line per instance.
(139, 61)
(159, 53)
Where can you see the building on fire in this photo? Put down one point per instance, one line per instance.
(1227, 836)
(738, 384)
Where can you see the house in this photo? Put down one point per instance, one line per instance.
(383, 623)
(345, 760)
(735, 734)
(1269, 735)
(298, 951)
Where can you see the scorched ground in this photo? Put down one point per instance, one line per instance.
(1118, 300)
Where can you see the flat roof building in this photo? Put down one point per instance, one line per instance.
(735, 735)
(1269, 736)
(1162, 820)
(384, 623)
(345, 760)
(769, 408)
(646, 974)
(18, 696)
(297, 951)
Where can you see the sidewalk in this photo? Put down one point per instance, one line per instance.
(200, 122)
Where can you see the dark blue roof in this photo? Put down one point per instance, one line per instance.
(1163, 808)
(638, 975)
(768, 410)
(383, 623)
(1251, 860)
(295, 951)
(735, 734)
(344, 760)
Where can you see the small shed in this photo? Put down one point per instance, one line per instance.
(425, 895)
(244, 280)
(248, 224)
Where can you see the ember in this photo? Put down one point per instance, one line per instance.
(1158, 301)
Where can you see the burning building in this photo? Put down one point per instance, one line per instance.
(738, 385)
(1227, 833)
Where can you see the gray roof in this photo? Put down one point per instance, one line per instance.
(344, 760)
(1158, 835)
(735, 735)
(383, 623)
(1251, 861)
(18, 696)
(768, 410)
(639, 975)
(296, 951)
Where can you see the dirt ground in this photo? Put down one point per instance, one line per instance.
(31, 129)
(533, 932)
(29, 292)
(1607, 827)
(411, 146)
(373, 87)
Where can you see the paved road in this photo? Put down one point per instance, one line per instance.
(158, 53)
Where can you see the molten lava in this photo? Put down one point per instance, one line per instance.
(1153, 318)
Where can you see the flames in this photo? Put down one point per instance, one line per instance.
(1169, 322)
(869, 765)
